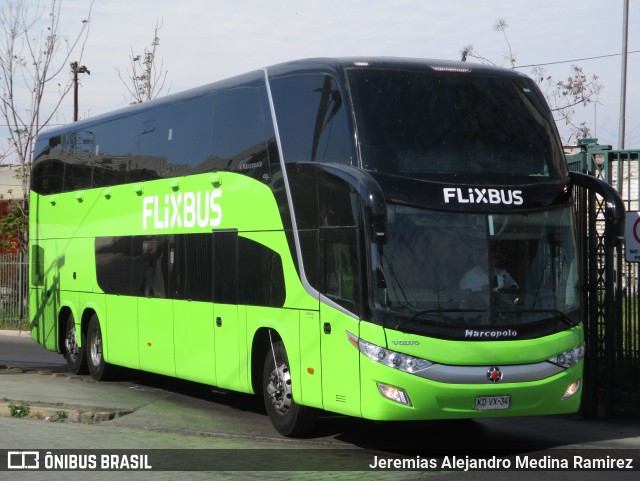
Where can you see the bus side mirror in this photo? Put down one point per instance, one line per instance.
(370, 194)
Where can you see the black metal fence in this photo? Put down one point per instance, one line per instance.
(611, 286)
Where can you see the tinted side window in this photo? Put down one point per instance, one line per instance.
(261, 278)
(191, 267)
(311, 119)
(190, 125)
(242, 132)
(148, 161)
(113, 264)
(341, 279)
(113, 146)
(37, 265)
(150, 266)
(225, 251)
(47, 176)
(77, 150)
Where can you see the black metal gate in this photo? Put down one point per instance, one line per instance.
(610, 289)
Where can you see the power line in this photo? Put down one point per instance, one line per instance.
(575, 60)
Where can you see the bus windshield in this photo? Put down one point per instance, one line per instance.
(476, 269)
(430, 122)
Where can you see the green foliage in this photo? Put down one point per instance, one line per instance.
(59, 417)
(19, 410)
(14, 227)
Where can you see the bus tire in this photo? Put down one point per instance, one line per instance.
(74, 354)
(288, 417)
(98, 368)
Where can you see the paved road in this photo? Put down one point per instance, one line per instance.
(17, 349)
(153, 412)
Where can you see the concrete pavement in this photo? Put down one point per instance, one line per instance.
(163, 404)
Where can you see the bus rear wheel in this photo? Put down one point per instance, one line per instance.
(99, 369)
(288, 417)
(73, 353)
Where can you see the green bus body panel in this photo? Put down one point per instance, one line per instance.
(286, 324)
(120, 330)
(45, 302)
(229, 345)
(310, 358)
(469, 353)
(246, 205)
(340, 363)
(193, 335)
(434, 400)
(155, 339)
(75, 272)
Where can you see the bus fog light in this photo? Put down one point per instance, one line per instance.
(394, 393)
(571, 389)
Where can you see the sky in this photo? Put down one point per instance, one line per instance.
(202, 41)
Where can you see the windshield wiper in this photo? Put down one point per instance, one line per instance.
(561, 315)
(432, 312)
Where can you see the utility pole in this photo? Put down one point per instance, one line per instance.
(623, 86)
(76, 70)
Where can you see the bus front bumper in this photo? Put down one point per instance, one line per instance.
(394, 396)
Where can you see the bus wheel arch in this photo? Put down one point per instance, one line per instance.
(287, 416)
(72, 350)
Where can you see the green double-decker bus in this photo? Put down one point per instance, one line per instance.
(391, 239)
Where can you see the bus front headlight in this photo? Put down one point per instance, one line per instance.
(396, 360)
(569, 358)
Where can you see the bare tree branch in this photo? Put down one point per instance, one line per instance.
(146, 79)
(30, 61)
(563, 96)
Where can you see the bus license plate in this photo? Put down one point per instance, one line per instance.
(486, 403)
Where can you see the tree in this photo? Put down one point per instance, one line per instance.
(33, 54)
(146, 80)
(563, 96)
(13, 230)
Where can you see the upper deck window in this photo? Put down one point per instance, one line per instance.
(311, 119)
(422, 123)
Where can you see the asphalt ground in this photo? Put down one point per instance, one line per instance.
(155, 404)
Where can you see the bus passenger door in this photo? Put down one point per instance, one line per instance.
(191, 271)
(194, 346)
(155, 320)
(227, 348)
(151, 267)
(226, 326)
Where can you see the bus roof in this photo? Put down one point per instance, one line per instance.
(329, 65)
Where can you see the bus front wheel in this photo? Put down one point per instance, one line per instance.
(288, 417)
(73, 353)
(99, 369)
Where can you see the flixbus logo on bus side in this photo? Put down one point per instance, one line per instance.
(182, 209)
(475, 195)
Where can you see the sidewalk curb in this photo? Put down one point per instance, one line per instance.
(14, 333)
(58, 412)
(50, 413)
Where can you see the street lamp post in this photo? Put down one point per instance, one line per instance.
(76, 69)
